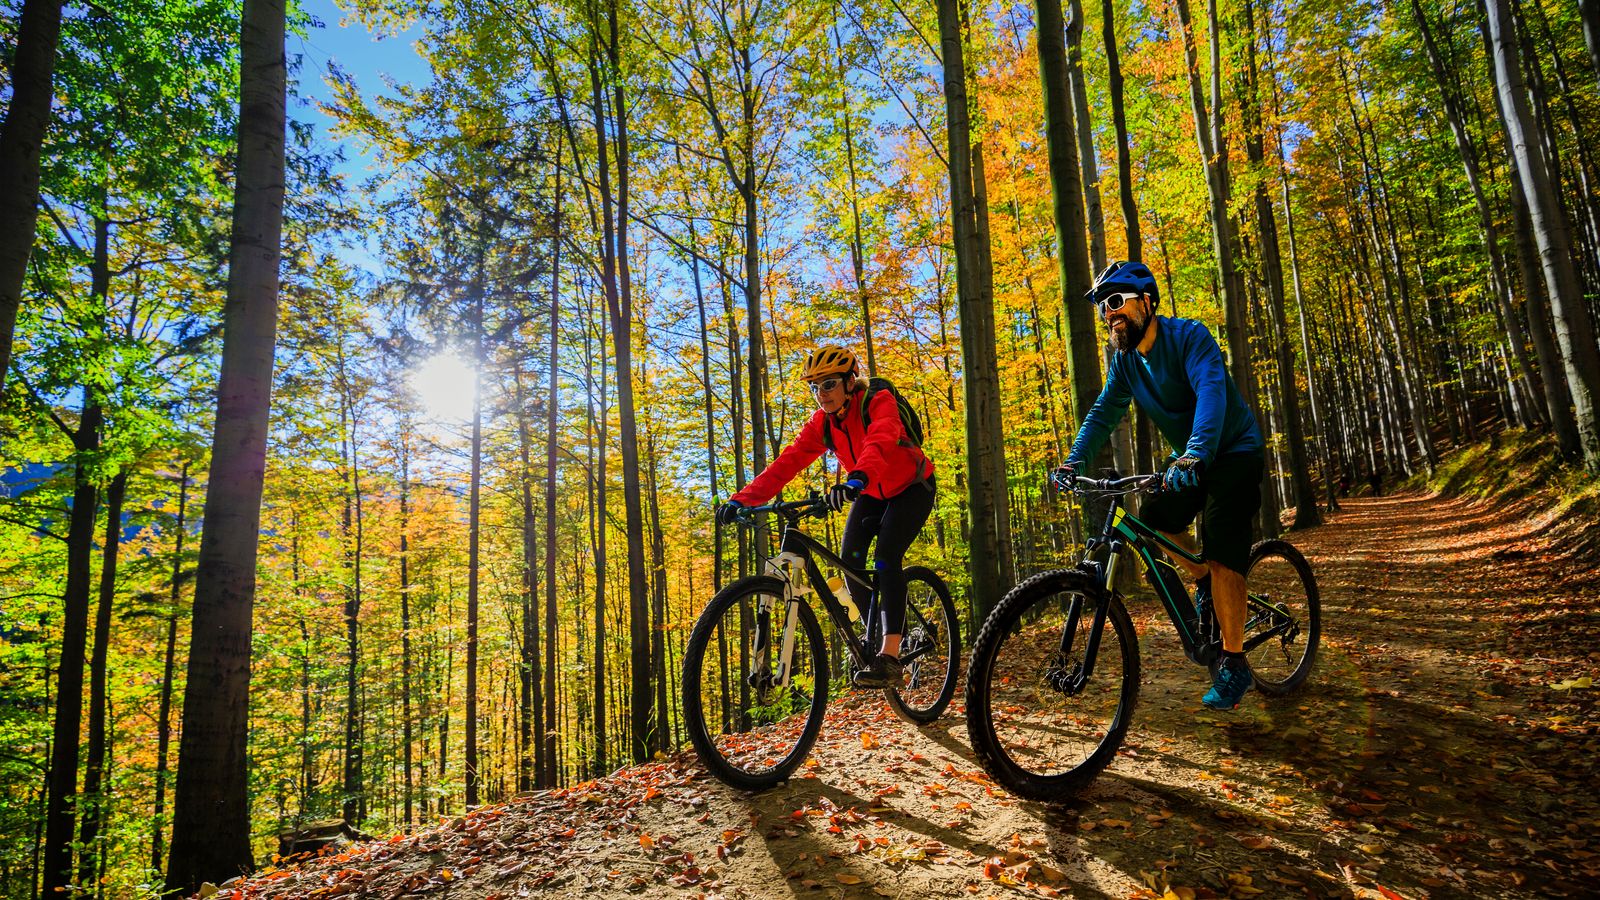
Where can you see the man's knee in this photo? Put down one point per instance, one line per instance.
(1223, 571)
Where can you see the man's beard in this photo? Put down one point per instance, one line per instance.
(1129, 336)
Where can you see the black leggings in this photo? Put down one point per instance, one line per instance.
(895, 522)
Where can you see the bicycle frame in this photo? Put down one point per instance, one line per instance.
(1123, 529)
(801, 550)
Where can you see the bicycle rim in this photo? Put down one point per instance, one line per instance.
(749, 729)
(1283, 620)
(932, 644)
(1038, 733)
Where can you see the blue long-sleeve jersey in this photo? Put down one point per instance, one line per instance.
(1185, 389)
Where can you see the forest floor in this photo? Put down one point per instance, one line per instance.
(1441, 748)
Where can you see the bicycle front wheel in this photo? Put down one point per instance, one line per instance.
(932, 648)
(750, 722)
(1283, 618)
(1043, 719)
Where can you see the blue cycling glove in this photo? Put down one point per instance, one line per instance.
(1063, 476)
(1184, 472)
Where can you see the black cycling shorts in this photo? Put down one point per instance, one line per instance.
(1230, 493)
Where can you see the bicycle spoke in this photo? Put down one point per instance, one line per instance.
(755, 728)
(929, 650)
(1283, 621)
(1049, 714)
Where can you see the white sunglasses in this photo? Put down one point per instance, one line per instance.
(1114, 302)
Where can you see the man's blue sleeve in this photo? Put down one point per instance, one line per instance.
(1202, 360)
(1103, 417)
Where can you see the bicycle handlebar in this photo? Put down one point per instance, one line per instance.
(812, 505)
(1130, 484)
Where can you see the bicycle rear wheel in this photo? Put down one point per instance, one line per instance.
(1042, 726)
(932, 644)
(1283, 620)
(749, 727)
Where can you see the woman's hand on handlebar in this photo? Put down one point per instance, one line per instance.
(731, 512)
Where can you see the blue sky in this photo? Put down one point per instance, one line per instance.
(367, 56)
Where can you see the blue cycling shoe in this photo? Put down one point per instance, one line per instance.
(1233, 680)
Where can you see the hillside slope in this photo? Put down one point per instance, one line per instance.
(1443, 748)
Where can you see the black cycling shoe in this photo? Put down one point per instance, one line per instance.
(884, 672)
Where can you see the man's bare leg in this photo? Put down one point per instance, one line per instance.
(1195, 570)
(1227, 592)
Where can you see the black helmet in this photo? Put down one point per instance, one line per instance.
(1124, 276)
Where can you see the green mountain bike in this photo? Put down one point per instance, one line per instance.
(1055, 668)
(755, 669)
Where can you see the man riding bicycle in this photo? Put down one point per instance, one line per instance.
(1173, 369)
(889, 484)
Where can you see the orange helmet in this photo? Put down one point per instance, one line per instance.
(828, 360)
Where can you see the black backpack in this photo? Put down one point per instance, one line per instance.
(910, 422)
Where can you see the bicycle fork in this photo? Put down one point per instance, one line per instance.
(784, 566)
(1070, 680)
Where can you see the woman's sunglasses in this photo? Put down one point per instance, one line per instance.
(830, 384)
(1114, 302)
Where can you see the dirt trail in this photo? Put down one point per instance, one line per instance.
(1428, 756)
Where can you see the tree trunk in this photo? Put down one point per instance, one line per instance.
(1214, 151)
(985, 453)
(66, 736)
(1306, 514)
(530, 712)
(1486, 220)
(93, 799)
(600, 518)
(158, 816)
(1590, 11)
(857, 246)
(552, 405)
(660, 739)
(1119, 120)
(1573, 328)
(406, 737)
(211, 814)
(619, 299)
(355, 800)
(1072, 239)
(474, 539)
(21, 138)
(1088, 160)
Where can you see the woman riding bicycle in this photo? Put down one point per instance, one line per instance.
(889, 483)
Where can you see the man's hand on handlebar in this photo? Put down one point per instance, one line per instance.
(1064, 476)
(1184, 472)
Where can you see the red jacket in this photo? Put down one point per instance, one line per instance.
(875, 451)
